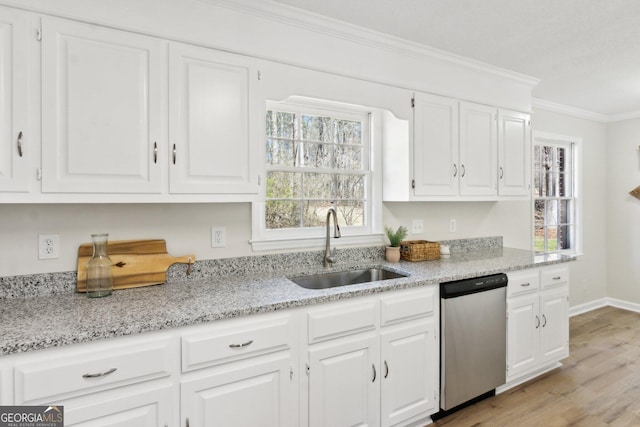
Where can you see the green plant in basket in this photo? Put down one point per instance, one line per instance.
(395, 237)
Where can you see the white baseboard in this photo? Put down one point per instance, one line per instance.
(603, 302)
(631, 306)
(586, 307)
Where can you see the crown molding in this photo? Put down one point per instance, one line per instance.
(625, 116)
(571, 111)
(310, 21)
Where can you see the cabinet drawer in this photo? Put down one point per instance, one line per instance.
(554, 276)
(235, 339)
(522, 282)
(407, 305)
(63, 373)
(341, 319)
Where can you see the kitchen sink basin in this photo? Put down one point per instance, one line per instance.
(344, 278)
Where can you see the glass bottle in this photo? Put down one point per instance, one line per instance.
(99, 268)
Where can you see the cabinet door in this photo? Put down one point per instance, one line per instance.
(478, 150)
(435, 142)
(554, 328)
(523, 325)
(253, 392)
(213, 122)
(514, 154)
(343, 382)
(102, 98)
(152, 407)
(14, 135)
(409, 371)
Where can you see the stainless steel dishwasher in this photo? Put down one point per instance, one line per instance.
(473, 346)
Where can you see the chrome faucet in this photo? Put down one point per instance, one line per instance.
(329, 258)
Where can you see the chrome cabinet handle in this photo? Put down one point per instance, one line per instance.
(244, 344)
(501, 172)
(455, 170)
(537, 322)
(101, 374)
(386, 369)
(174, 154)
(187, 425)
(557, 278)
(464, 171)
(20, 135)
(545, 320)
(524, 285)
(374, 373)
(155, 152)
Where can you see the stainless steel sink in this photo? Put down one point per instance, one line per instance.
(344, 278)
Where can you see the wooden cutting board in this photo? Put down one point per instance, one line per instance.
(135, 263)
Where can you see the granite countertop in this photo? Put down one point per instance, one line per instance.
(39, 322)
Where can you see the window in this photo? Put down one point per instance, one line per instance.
(318, 157)
(555, 212)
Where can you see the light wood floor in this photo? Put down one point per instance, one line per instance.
(598, 385)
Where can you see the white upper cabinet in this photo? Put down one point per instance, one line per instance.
(459, 151)
(514, 153)
(435, 144)
(213, 122)
(478, 145)
(14, 135)
(102, 97)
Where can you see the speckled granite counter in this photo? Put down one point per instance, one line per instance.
(59, 319)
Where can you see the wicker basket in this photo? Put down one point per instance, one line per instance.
(419, 250)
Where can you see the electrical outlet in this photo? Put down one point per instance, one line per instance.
(218, 237)
(417, 226)
(452, 225)
(48, 246)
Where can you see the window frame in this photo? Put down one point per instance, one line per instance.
(574, 146)
(296, 238)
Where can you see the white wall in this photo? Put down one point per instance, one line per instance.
(589, 273)
(623, 255)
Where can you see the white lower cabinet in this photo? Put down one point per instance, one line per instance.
(343, 382)
(366, 361)
(240, 372)
(259, 391)
(383, 372)
(538, 320)
(149, 406)
(124, 382)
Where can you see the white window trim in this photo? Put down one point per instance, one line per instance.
(372, 234)
(550, 139)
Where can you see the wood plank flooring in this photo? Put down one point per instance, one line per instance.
(598, 385)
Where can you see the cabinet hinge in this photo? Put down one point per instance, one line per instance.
(528, 122)
(39, 174)
(413, 102)
(291, 373)
(308, 368)
(39, 34)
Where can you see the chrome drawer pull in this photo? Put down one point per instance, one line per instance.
(525, 284)
(101, 374)
(244, 344)
(386, 369)
(374, 373)
(537, 322)
(557, 278)
(545, 320)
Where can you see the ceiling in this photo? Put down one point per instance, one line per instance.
(585, 52)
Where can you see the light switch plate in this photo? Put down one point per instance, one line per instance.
(417, 226)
